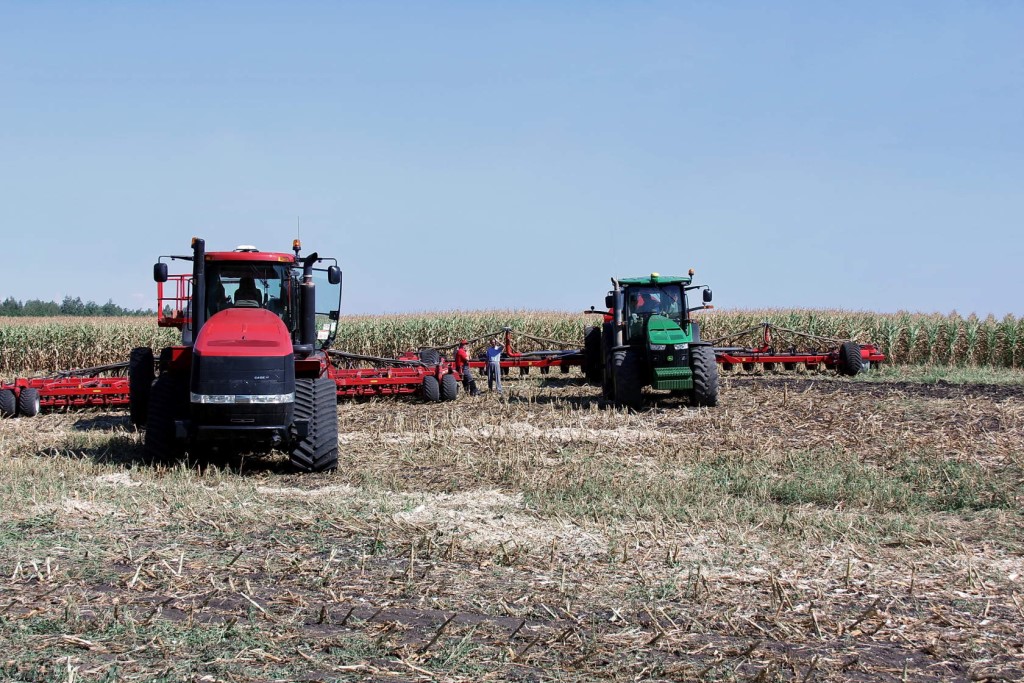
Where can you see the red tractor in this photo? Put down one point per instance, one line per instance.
(251, 372)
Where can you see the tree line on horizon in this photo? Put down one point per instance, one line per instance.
(71, 306)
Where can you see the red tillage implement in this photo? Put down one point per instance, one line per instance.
(785, 348)
(103, 386)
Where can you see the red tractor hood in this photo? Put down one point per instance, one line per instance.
(244, 332)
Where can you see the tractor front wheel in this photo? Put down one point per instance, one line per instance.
(705, 376)
(316, 401)
(628, 381)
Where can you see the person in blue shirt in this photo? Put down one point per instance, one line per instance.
(494, 365)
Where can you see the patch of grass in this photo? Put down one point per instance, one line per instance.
(933, 374)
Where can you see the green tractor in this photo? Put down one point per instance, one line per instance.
(648, 339)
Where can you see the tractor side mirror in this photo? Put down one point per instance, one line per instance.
(609, 301)
(334, 275)
(707, 296)
(160, 272)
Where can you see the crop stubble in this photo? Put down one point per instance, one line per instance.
(807, 529)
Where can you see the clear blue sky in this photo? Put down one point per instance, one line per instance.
(515, 155)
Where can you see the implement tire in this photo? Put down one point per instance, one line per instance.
(449, 387)
(28, 402)
(628, 381)
(168, 401)
(140, 382)
(430, 356)
(592, 355)
(431, 389)
(850, 361)
(705, 376)
(316, 401)
(8, 404)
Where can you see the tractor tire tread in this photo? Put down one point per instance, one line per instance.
(628, 382)
(850, 361)
(140, 383)
(316, 401)
(165, 405)
(705, 376)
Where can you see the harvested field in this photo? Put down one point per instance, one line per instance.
(808, 529)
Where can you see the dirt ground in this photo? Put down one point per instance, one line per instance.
(807, 529)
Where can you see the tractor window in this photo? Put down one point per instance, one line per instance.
(236, 284)
(666, 300)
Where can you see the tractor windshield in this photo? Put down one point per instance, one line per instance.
(646, 300)
(238, 284)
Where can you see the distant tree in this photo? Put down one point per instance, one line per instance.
(11, 306)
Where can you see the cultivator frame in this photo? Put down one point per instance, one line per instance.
(102, 386)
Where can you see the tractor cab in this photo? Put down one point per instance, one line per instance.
(247, 278)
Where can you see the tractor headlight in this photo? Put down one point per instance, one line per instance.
(657, 347)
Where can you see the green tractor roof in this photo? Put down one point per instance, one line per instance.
(657, 279)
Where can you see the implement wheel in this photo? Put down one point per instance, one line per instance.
(431, 389)
(850, 361)
(430, 356)
(449, 387)
(140, 381)
(316, 401)
(705, 376)
(8, 404)
(28, 402)
(628, 382)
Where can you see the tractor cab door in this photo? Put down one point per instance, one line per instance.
(328, 304)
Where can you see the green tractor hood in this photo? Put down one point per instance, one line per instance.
(661, 330)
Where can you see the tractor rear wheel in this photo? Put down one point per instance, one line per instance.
(705, 376)
(431, 389)
(850, 361)
(28, 402)
(449, 387)
(168, 401)
(628, 381)
(316, 401)
(592, 354)
(430, 356)
(140, 381)
(8, 404)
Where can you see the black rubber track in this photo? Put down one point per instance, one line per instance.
(705, 376)
(140, 382)
(168, 400)
(28, 402)
(449, 388)
(431, 390)
(317, 402)
(8, 404)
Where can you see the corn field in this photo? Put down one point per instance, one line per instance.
(51, 344)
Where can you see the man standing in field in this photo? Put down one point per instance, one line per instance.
(494, 366)
(462, 365)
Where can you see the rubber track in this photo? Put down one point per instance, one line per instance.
(317, 402)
